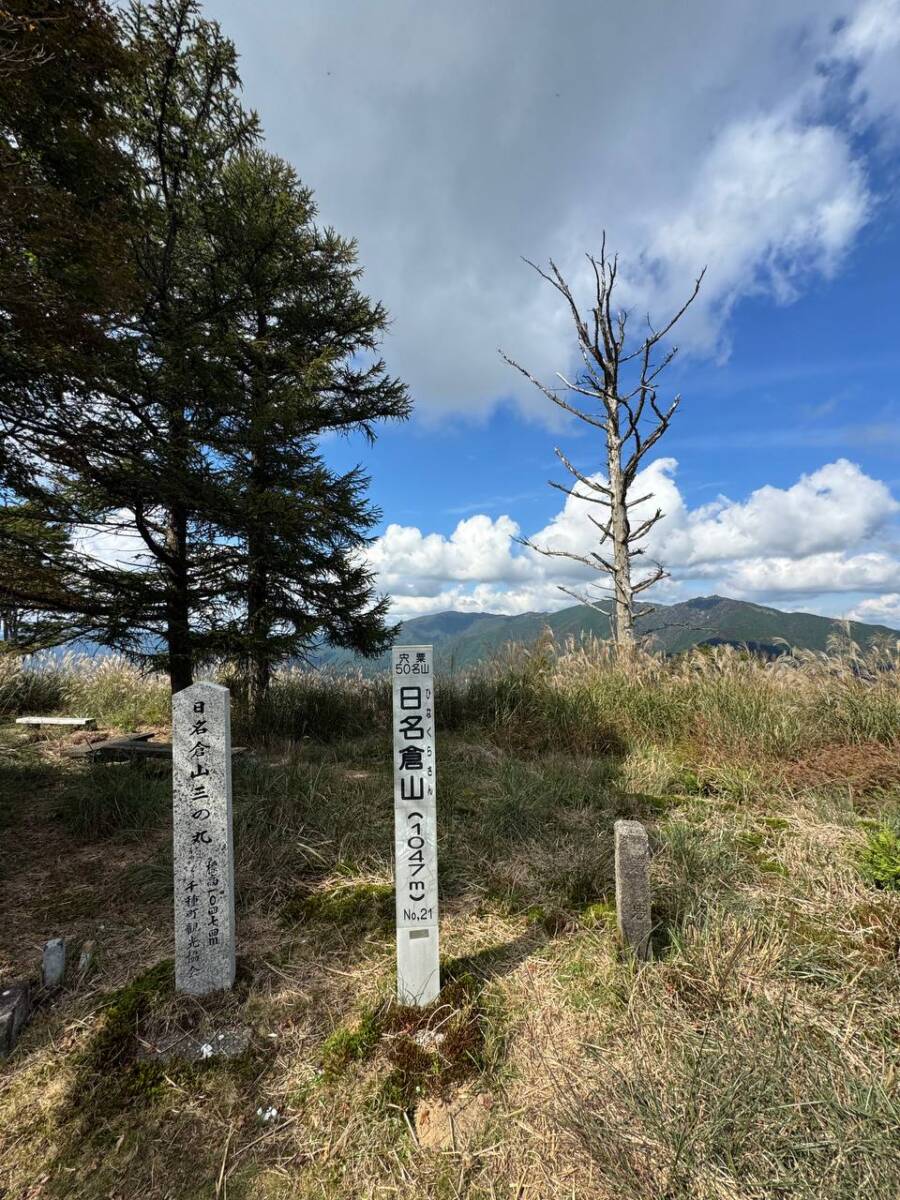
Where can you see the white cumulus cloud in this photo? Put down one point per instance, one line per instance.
(881, 610)
(479, 549)
(831, 508)
(826, 535)
(870, 42)
(773, 201)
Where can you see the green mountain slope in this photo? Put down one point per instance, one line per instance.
(463, 639)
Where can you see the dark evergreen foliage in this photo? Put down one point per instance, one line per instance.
(225, 334)
(298, 343)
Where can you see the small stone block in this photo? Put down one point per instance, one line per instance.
(632, 852)
(15, 1009)
(54, 965)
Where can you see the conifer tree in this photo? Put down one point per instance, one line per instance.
(190, 446)
(126, 449)
(65, 192)
(66, 188)
(185, 121)
(300, 350)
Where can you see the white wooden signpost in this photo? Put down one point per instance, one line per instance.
(415, 827)
(203, 852)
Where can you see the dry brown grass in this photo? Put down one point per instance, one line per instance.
(755, 1057)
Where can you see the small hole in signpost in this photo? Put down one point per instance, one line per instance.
(417, 933)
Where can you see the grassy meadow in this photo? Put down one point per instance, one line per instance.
(755, 1056)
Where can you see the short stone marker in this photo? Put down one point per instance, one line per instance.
(53, 967)
(202, 848)
(15, 1009)
(415, 828)
(71, 722)
(632, 852)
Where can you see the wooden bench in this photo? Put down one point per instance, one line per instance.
(69, 722)
(137, 745)
(124, 744)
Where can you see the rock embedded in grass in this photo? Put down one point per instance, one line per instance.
(54, 963)
(86, 958)
(15, 1009)
(198, 1047)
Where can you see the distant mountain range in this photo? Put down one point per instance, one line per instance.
(463, 639)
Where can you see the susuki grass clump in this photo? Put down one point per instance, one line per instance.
(728, 700)
(580, 697)
(28, 686)
(117, 692)
(111, 689)
(308, 704)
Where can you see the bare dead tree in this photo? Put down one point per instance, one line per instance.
(619, 379)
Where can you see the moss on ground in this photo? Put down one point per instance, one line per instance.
(108, 1073)
(111, 1075)
(363, 906)
(351, 1043)
(434, 1049)
(424, 1051)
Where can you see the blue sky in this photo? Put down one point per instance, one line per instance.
(759, 140)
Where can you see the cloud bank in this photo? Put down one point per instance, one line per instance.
(452, 139)
(829, 535)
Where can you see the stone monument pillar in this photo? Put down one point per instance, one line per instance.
(203, 852)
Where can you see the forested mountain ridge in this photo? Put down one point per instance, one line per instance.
(464, 639)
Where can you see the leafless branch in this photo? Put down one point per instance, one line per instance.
(560, 487)
(644, 528)
(650, 580)
(591, 483)
(548, 553)
(658, 335)
(587, 601)
(553, 396)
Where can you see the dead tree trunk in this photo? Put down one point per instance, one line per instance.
(619, 381)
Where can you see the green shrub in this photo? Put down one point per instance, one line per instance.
(880, 860)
